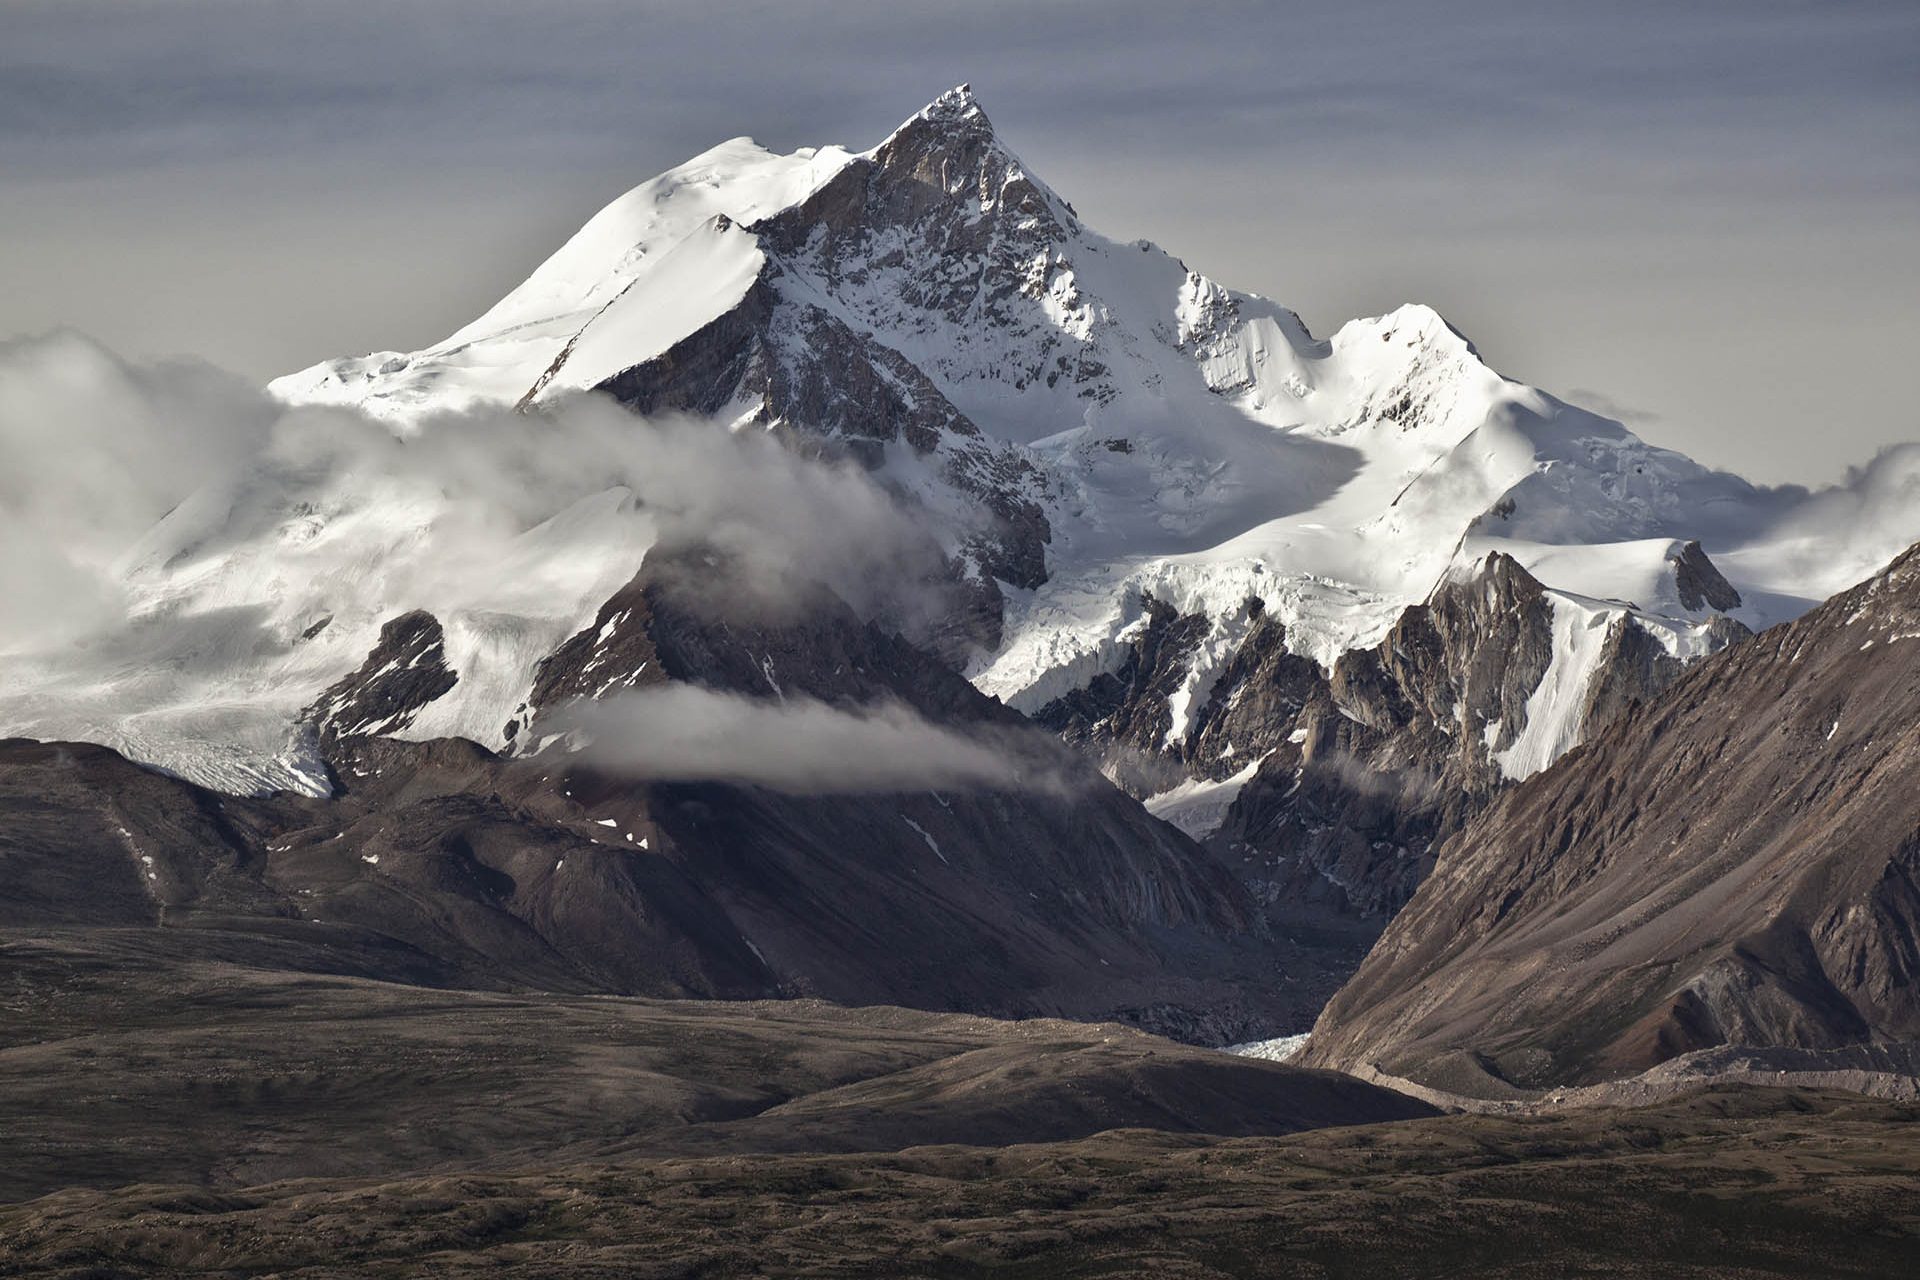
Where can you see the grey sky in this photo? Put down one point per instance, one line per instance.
(1702, 217)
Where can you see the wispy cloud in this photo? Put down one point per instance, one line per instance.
(1602, 403)
(681, 733)
(184, 560)
(100, 450)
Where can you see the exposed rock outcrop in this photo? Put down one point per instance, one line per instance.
(953, 899)
(1698, 581)
(405, 671)
(944, 185)
(1123, 718)
(1359, 771)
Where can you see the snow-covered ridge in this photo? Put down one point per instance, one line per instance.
(661, 247)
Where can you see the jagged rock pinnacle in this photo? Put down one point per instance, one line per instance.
(954, 103)
(954, 114)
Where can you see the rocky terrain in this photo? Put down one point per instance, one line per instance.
(1330, 788)
(442, 864)
(212, 1100)
(188, 1101)
(642, 786)
(933, 297)
(1317, 602)
(1731, 864)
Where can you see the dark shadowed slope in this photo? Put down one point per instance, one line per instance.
(440, 862)
(1736, 863)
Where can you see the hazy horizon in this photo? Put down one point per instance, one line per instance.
(1700, 221)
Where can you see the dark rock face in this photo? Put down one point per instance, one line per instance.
(943, 189)
(855, 388)
(86, 838)
(611, 656)
(406, 670)
(1393, 750)
(819, 370)
(1699, 581)
(1255, 706)
(435, 863)
(812, 376)
(1012, 902)
(1361, 770)
(1123, 718)
(1734, 864)
(1633, 668)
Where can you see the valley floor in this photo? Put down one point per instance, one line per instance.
(1726, 1183)
(169, 1110)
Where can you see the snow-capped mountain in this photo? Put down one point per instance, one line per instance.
(1101, 435)
(1165, 437)
(917, 455)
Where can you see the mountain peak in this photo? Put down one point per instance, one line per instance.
(954, 115)
(957, 103)
(950, 145)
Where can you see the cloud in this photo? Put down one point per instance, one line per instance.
(1841, 534)
(680, 733)
(1609, 407)
(185, 563)
(118, 472)
(95, 452)
(783, 521)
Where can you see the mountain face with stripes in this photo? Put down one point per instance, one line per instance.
(1735, 865)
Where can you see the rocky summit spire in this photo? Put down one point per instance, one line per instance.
(954, 119)
(949, 147)
(957, 103)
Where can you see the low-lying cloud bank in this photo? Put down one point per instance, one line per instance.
(185, 562)
(113, 467)
(681, 733)
(1845, 533)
